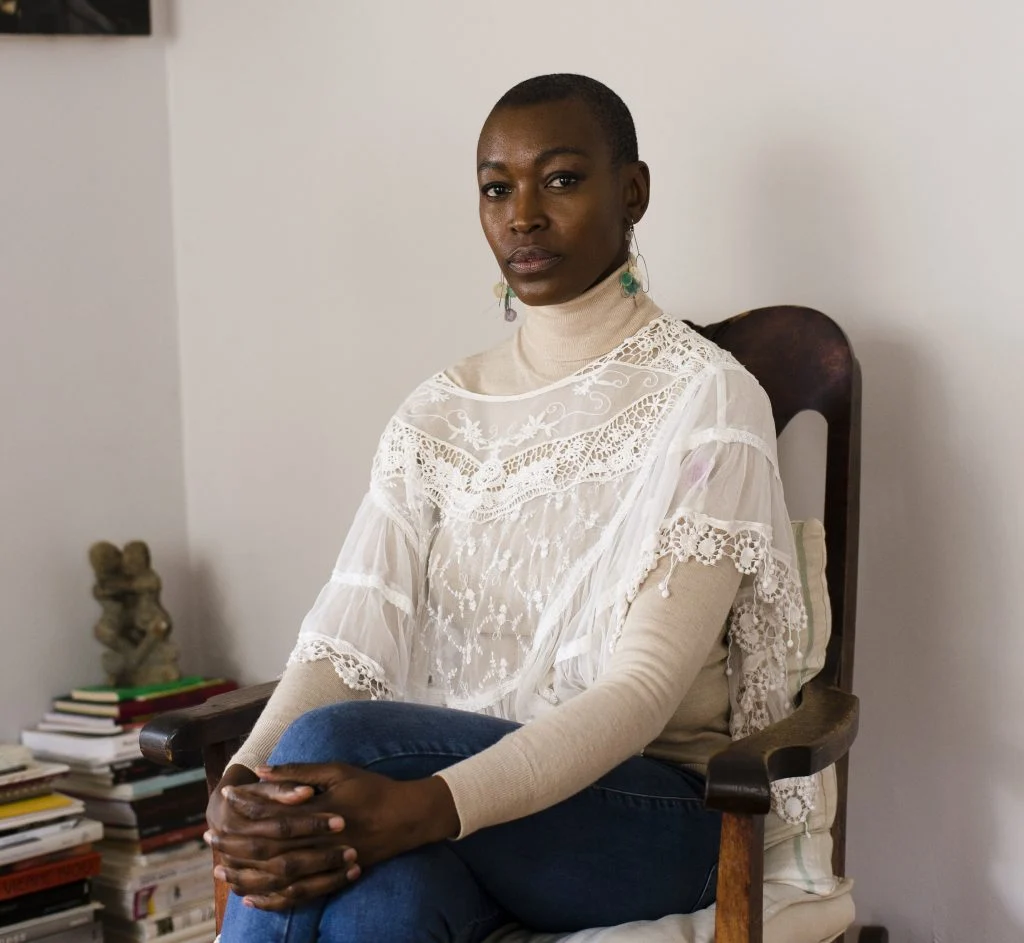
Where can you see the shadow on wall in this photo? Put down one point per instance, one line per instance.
(936, 838)
(208, 611)
(928, 780)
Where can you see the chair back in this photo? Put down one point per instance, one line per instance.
(804, 362)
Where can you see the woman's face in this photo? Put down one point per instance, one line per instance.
(554, 208)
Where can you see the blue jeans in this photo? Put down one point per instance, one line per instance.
(636, 845)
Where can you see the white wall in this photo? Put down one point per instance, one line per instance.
(862, 158)
(90, 417)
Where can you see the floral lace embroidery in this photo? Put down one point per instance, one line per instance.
(485, 490)
(793, 799)
(355, 669)
(471, 470)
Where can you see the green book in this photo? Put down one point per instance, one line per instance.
(105, 694)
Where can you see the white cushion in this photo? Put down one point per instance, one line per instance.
(790, 916)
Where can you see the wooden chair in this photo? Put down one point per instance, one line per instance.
(804, 362)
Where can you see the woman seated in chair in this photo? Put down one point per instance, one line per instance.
(501, 704)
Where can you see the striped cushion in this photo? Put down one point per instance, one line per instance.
(794, 855)
(809, 537)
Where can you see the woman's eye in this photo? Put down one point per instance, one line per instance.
(494, 190)
(561, 181)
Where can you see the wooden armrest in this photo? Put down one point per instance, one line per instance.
(817, 734)
(178, 738)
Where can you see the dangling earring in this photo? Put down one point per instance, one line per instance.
(630, 280)
(504, 293)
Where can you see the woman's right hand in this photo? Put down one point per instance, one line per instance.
(275, 865)
(224, 819)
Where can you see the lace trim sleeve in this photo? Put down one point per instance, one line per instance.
(765, 627)
(358, 671)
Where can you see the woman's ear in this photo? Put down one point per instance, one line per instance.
(636, 190)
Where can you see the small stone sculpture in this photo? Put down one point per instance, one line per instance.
(133, 624)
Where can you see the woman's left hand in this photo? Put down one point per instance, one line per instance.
(284, 860)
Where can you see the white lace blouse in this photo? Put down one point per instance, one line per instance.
(504, 540)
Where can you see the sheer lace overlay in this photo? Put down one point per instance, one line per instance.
(492, 564)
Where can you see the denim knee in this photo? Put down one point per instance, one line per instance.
(426, 895)
(329, 734)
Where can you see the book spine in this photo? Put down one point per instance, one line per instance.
(25, 791)
(173, 837)
(180, 822)
(175, 922)
(134, 879)
(101, 749)
(38, 860)
(47, 876)
(185, 797)
(43, 903)
(155, 898)
(54, 928)
(105, 693)
(133, 770)
(14, 812)
(86, 832)
(85, 933)
(175, 803)
(84, 709)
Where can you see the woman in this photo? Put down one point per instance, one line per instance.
(500, 706)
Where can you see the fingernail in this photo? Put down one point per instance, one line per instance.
(247, 901)
(262, 770)
(207, 837)
(227, 792)
(351, 855)
(335, 823)
(219, 873)
(353, 873)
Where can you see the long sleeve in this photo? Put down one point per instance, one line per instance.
(664, 645)
(304, 686)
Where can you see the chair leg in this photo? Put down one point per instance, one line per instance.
(873, 935)
(739, 909)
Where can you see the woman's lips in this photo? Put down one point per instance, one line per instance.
(529, 261)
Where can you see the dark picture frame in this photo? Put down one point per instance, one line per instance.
(76, 17)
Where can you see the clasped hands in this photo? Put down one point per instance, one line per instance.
(308, 830)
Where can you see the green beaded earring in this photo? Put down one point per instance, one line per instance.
(504, 293)
(629, 281)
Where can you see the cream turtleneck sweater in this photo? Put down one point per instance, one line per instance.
(556, 341)
(665, 692)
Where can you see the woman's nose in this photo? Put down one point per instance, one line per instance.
(528, 215)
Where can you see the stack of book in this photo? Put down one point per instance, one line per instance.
(47, 855)
(155, 879)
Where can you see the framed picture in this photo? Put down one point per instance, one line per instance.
(77, 17)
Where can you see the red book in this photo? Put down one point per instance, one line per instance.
(49, 875)
(40, 860)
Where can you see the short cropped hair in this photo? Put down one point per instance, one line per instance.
(609, 110)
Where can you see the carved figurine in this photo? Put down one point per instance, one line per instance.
(133, 625)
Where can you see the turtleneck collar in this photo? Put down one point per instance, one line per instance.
(584, 328)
